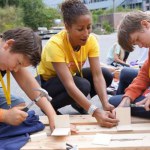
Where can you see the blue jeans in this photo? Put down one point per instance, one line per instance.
(135, 111)
(15, 100)
(126, 77)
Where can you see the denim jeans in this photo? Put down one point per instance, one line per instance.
(15, 100)
(135, 111)
(126, 77)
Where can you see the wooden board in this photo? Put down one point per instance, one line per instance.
(87, 119)
(87, 129)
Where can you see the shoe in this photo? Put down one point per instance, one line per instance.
(79, 109)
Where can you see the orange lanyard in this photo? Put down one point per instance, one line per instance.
(6, 90)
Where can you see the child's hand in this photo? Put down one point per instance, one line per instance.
(145, 102)
(125, 102)
(14, 116)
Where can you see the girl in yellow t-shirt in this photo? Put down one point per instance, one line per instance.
(62, 60)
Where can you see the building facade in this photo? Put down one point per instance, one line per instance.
(106, 4)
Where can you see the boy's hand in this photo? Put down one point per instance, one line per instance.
(52, 126)
(14, 116)
(125, 102)
(146, 102)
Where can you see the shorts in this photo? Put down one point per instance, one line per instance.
(15, 100)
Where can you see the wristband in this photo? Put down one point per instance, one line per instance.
(92, 109)
(1, 115)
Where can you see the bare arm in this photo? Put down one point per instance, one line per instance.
(117, 59)
(99, 82)
(27, 82)
(103, 118)
(68, 82)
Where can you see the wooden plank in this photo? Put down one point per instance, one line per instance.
(62, 125)
(87, 129)
(85, 142)
(123, 114)
(87, 119)
(93, 129)
(82, 119)
(139, 120)
(74, 119)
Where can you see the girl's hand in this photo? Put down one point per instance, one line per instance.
(105, 118)
(108, 107)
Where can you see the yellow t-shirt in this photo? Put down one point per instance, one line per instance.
(59, 49)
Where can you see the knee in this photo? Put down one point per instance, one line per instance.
(128, 74)
(115, 100)
(123, 72)
(108, 76)
(85, 87)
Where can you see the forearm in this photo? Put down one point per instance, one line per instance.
(46, 106)
(137, 87)
(28, 84)
(120, 61)
(100, 87)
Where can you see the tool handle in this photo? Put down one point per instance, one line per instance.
(134, 105)
(25, 109)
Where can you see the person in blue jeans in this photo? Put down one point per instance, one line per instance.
(138, 92)
(127, 75)
(20, 48)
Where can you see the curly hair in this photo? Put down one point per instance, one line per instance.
(72, 9)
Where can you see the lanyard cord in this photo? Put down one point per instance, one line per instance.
(6, 91)
(74, 58)
(76, 62)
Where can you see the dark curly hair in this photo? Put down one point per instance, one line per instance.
(72, 9)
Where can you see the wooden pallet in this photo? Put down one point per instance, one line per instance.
(88, 127)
